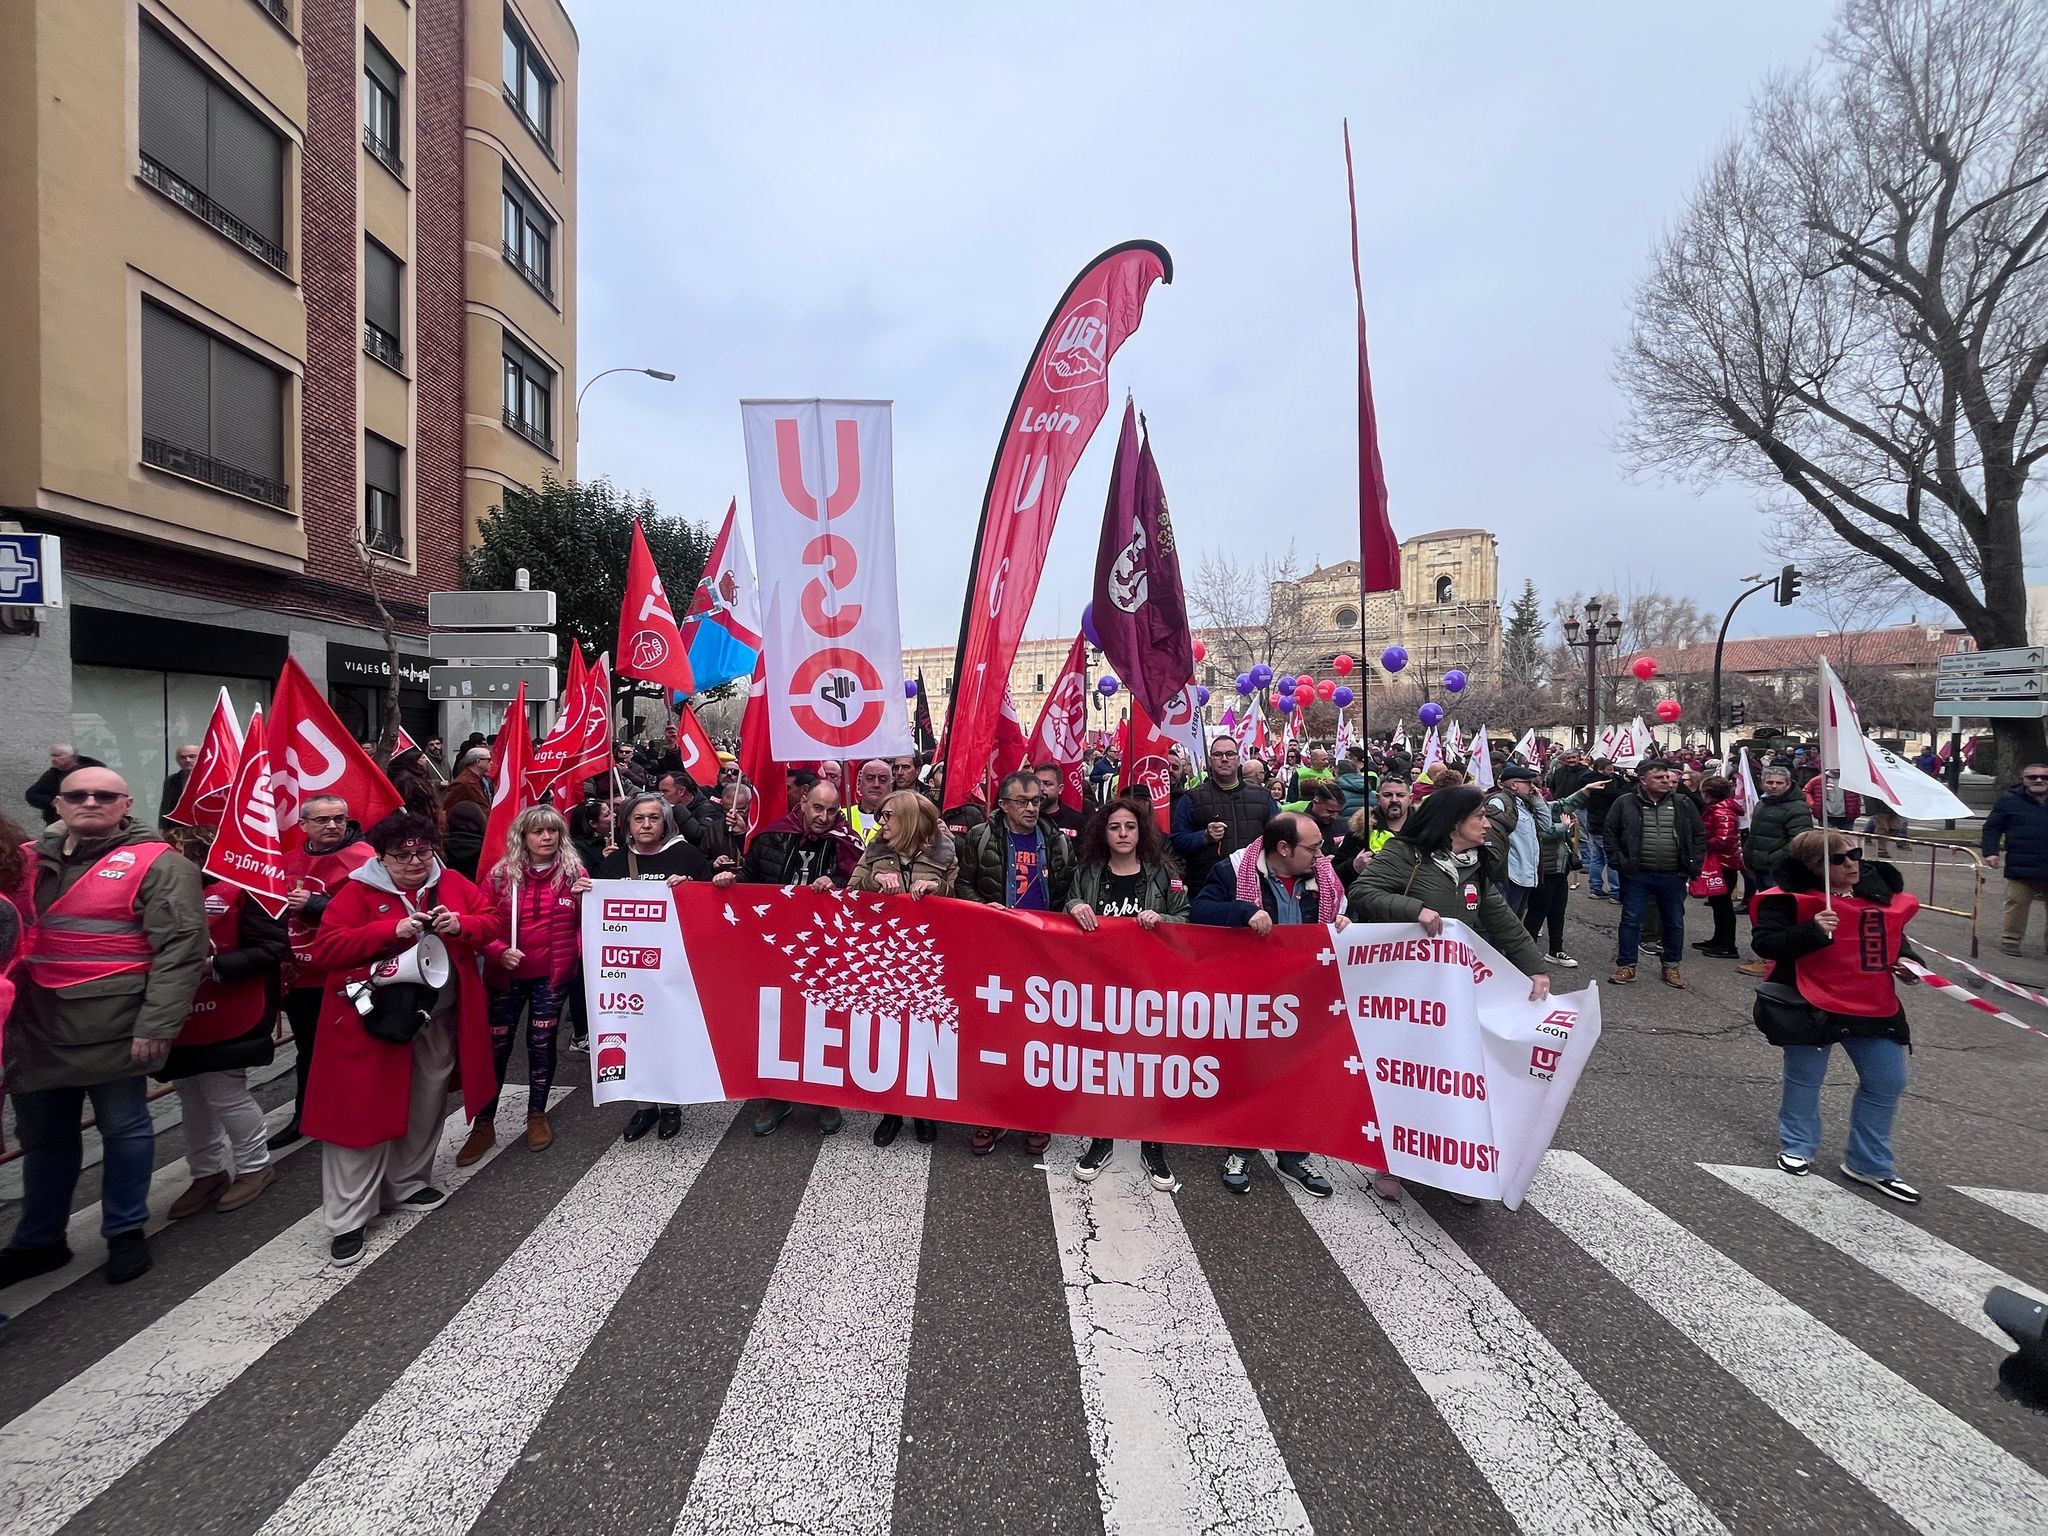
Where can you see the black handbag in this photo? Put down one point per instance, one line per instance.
(398, 1012)
(1789, 1021)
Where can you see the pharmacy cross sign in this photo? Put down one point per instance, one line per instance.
(29, 571)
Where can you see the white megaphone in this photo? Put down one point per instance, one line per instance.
(424, 965)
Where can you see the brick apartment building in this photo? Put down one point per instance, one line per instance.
(289, 289)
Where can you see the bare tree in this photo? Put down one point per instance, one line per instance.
(1251, 611)
(387, 736)
(1853, 310)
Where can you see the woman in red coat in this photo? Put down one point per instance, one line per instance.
(1722, 818)
(378, 1106)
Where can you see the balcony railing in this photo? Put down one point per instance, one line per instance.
(537, 279)
(384, 540)
(279, 12)
(382, 345)
(227, 477)
(198, 204)
(384, 150)
(530, 432)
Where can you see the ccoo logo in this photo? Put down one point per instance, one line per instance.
(624, 909)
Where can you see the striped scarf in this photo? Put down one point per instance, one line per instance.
(1251, 860)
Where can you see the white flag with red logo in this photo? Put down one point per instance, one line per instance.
(511, 755)
(1061, 734)
(312, 753)
(821, 480)
(205, 796)
(247, 850)
(551, 757)
(1482, 761)
(1862, 767)
(650, 643)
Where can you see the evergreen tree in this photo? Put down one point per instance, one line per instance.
(1521, 651)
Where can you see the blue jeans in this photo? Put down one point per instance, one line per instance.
(1880, 1081)
(53, 1151)
(1598, 870)
(1667, 886)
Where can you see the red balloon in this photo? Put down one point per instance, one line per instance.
(1201, 650)
(1325, 688)
(1343, 664)
(1645, 667)
(1304, 691)
(1669, 711)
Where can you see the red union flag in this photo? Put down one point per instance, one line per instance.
(247, 851)
(551, 757)
(821, 480)
(313, 754)
(590, 753)
(693, 744)
(1061, 735)
(509, 756)
(650, 645)
(205, 798)
(1062, 398)
(1148, 761)
(759, 765)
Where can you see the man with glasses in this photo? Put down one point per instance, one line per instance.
(1220, 815)
(118, 949)
(2016, 840)
(333, 848)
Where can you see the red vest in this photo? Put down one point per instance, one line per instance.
(225, 1010)
(94, 930)
(1853, 975)
(322, 874)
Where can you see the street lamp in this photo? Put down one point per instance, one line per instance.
(652, 373)
(1593, 643)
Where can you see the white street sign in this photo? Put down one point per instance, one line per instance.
(492, 645)
(490, 610)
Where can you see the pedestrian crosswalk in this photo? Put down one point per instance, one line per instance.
(723, 1334)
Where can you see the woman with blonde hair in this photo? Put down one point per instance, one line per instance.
(912, 854)
(536, 887)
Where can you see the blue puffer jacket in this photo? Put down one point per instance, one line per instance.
(2018, 827)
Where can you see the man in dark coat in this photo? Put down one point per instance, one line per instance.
(64, 759)
(2016, 840)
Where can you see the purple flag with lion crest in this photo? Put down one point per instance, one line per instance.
(1141, 613)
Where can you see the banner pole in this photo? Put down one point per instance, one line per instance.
(1820, 747)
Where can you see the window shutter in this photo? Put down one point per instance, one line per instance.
(383, 462)
(174, 381)
(248, 413)
(381, 67)
(381, 288)
(173, 107)
(246, 166)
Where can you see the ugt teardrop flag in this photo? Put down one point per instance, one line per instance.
(312, 753)
(205, 798)
(650, 645)
(247, 850)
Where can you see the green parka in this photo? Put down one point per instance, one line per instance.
(1403, 879)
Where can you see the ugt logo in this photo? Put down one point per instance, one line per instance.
(1543, 1060)
(1079, 354)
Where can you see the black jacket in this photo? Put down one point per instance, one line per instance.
(1777, 936)
(43, 793)
(2018, 828)
(1623, 833)
(261, 949)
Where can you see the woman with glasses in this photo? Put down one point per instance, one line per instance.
(911, 855)
(377, 1104)
(1833, 927)
(1125, 869)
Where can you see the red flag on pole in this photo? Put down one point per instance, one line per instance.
(693, 744)
(758, 764)
(511, 756)
(247, 850)
(1148, 760)
(1141, 613)
(207, 786)
(1379, 550)
(650, 644)
(551, 757)
(592, 752)
(312, 753)
(1061, 734)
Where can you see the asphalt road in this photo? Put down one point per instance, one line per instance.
(724, 1333)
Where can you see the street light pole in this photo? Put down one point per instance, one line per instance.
(1721, 640)
(652, 373)
(1592, 645)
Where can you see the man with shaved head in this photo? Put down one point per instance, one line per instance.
(119, 948)
(875, 782)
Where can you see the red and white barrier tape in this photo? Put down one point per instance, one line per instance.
(1983, 975)
(1943, 984)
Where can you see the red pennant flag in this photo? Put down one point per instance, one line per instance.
(552, 755)
(1148, 760)
(1061, 734)
(313, 754)
(1381, 551)
(592, 752)
(205, 798)
(510, 757)
(650, 645)
(700, 757)
(758, 764)
(247, 851)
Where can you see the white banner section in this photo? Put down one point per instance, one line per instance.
(648, 1038)
(821, 484)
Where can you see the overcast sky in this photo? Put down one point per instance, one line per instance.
(884, 201)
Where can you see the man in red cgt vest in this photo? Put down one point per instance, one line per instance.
(115, 952)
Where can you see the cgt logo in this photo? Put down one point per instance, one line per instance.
(630, 957)
(611, 1058)
(624, 909)
(621, 1002)
(1543, 1060)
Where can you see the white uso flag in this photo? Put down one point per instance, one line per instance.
(821, 482)
(1868, 769)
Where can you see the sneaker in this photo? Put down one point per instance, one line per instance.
(245, 1188)
(1798, 1167)
(1651, 947)
(1560, 958)
(428, 1199)
(1037, 1141)
(580, 1041)
(1310, 1179)
(830, 1119)
(1623, 975)
(19, 1264)
(1236, 1178)
(128, 1257)
(1720, 952)
(346, 1249)
(199, 1195)
(482, 1137)
(773, 1113)
(1754, 968)
(1095, 1159)
(1152, 1157)
(1898, 1189)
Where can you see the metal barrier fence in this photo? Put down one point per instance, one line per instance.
(1964, 858)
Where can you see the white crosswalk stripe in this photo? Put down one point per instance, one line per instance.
(2020, 1205)
(1940, 1274)
(1937, 1472)
(1180, 1441)
(63, 1453)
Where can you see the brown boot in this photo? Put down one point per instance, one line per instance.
(246, 1187)
(539, 1134)
(1755, 968)
(200, 1195)
(1672, 978)
(1623, 975)
(482, 1137)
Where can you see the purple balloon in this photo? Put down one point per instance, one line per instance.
(910, 687)
(1260, 675)
(1431, 713)
(1105, 685)
(1285, 703)
(1454, 681)
(1201, 696)
(1247, 684)
(1342, 697)
(1088, 626)
(1394, 658)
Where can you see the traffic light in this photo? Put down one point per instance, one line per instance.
(1788, 586)
(1738, 714)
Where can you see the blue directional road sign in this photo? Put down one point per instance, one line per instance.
(31, 570)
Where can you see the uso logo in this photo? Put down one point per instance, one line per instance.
(621, 1002)
(624, 909)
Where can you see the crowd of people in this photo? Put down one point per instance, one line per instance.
(402, 976)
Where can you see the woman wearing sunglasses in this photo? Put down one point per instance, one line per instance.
(1833, 926)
